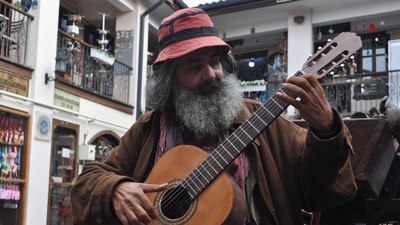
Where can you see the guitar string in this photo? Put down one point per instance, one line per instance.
(263, 109)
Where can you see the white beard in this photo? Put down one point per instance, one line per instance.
(210, 108)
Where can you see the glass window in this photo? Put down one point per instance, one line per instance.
(12, 167)
(380, 63)
(63, 171)
(374, 48)
(367, 64)
(366, 50)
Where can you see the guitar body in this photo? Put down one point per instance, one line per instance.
(222, 202)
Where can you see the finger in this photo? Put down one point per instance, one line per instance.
(147, 206)
(296, 90)
(312, 80)
(153, 187)
(140, 215)
(132, 217)
(302, 82)
(288, 99)
(122, 218)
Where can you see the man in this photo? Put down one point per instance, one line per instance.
(196, 100)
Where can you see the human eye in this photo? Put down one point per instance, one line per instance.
(215, 62)
(194, 67)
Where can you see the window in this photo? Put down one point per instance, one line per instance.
(13, 151)
(63, 171)
(373, 56)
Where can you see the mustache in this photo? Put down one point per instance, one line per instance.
(207, 88)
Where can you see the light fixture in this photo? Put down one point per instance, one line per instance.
(47, 78)
(252, 30)
(298, 19)
(331, 30)
(252, 63)
(61, 64)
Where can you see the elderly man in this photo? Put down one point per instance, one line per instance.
(196, 100)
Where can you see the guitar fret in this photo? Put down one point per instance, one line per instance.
(227, 150)
(191, 189)
(221, 167)
(216, 172)
(232, 146)
(261, 119)
(202, 175)
(221, 156)
(269, 111)
(192, 181)
(251, 138)
(239, 139)
(195, 183)
(253, 126)
(276, 101)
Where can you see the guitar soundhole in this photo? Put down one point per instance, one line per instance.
(175, 203)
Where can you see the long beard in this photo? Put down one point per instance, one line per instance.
(210, 108)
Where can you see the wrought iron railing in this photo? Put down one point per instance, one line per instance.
(91, 69)
(359, 93)
(14, 24)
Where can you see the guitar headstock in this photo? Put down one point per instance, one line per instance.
(332, 54)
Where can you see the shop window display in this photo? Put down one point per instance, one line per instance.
(12, 152)
(63, 171)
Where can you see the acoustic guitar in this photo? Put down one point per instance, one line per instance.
(199, 190)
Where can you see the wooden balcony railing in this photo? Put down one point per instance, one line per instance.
(91, 69)
(14, 24)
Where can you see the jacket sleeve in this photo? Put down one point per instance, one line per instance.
(91, 193)
(326, 177)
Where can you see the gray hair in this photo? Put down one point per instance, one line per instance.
(160, 84)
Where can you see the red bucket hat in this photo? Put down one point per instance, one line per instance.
(184, 31)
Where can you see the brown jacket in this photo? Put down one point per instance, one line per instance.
(294, 170)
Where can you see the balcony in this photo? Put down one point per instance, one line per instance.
(359, 93)
(81, 65)
(14, 24)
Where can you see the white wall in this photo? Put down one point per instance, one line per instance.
(41, 53)
(274, 18)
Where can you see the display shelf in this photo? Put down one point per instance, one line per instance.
(12, 180)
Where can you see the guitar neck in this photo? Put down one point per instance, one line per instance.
(231, 148)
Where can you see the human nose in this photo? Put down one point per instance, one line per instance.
(208, 74)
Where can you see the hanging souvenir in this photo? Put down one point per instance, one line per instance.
(5, 168)
(12, 154)
(6, 192)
